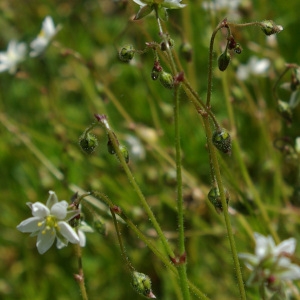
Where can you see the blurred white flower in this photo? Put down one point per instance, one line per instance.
(83, 227)
(10, 59)
(255, 66)
(41, 42)
(49, 222)
(221, 4)
(137, 149)
(271, 265)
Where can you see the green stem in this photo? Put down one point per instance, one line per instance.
(215, 163)
(180, 212)
(165, 259)
(122, 248)
(80, 276)
(210, 59)
(136, 187)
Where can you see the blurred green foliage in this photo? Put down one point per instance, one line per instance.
(52, 99)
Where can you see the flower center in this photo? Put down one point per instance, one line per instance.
(50, 224)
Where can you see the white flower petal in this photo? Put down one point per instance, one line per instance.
(250, 260)
(52, 199)
(264, 245)
(293, 273)
(287, 246)
(60, 244)
(45, 240)
(59, 210)
(68, 232)
(30, 224)
(40, 210)
(48, 27)
(141, 3)
(82, 238)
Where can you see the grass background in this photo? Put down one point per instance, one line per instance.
(52, 99)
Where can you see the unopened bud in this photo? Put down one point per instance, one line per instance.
(166, 79)
(222, 140)
(186, 51)
(142, 284)
(269, 27)
(99, 226)
(88, 143)
(224, 60)
(126, 54)
(285, 110)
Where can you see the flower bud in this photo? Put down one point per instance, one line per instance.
(156, 70)
(99, 226)
(186, 51)
(142, 284)
(269, 27)
(88, 143)
(222, 140)
(163, 46)
(285, 110)
(126, 54)
(238, 49)
(166, 79)
(215, 199)
(223, 60)
(125, 153)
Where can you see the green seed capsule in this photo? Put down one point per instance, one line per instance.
(166, 79)
(269, 27)
(88, 143)
(126, 54)
(222, 140)
(142, 284)
(224, 60)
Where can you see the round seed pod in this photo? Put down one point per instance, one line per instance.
(215, 198)
(126, 54)
(222, 140)
(224, 60)
(142, 284)
(167, 80)
(88, 143)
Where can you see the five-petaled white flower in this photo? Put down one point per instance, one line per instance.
(147, 6)
(49, 222)
(10, 59)
(48, 31)
(271, 265)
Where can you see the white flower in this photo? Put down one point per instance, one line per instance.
(147, 6)
(49, 222)
(83, 227)
(48, 31)
(271, 264)
(170, 4)
(10, 59)
(255, 66)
